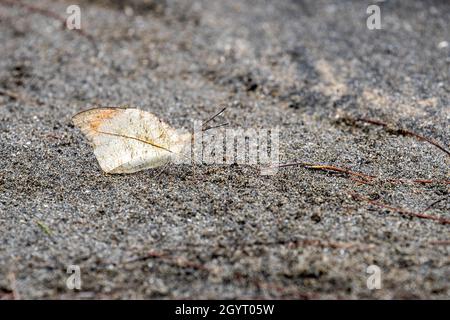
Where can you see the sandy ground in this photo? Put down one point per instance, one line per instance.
(227, 231)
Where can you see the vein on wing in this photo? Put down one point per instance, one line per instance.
(134, 138)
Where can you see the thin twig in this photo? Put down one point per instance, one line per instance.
(215, 127)
(358, 176)
(327, 168)
(436, 202)
(399, 210)
(399, 131)
(9, 94)
(212, 118)
(290, 243)
(440, 242)
(13, 284)
(178, 261)
(297, 243)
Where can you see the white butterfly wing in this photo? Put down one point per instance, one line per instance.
(128, 140)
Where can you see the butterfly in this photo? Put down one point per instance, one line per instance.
(127, 140)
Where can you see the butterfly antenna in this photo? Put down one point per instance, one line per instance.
(212, 118)
(215, 127)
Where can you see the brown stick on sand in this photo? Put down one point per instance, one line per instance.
(358, 176)
(400, 131)
(399, 210)
(436, 202)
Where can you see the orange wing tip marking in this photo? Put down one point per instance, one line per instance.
(94, 120)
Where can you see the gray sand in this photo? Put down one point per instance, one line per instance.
(226, 231)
